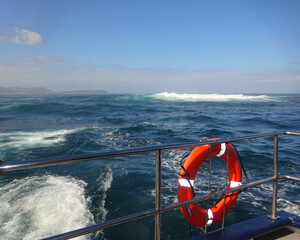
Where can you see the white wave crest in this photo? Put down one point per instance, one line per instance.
(38, 207)
(33, 139)
(209, 97)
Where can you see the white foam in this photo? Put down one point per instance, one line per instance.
(24, 140)
(261, 197)
(38, 207)
(288, 206)
(3, 108)
(105, 180)
(114, 138)
(209, 97)
(169, 192)
(148, 123)
(171, 160)
(118, 139)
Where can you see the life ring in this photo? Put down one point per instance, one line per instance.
(194, 213)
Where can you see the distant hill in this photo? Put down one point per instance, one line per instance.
(84, 92)
(19, 90)
(40, 90)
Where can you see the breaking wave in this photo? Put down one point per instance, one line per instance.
(209, 97)
(38, 207)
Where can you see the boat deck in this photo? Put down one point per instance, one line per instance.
(285, 233)
(285, 227)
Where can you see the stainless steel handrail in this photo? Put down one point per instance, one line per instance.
(158, 207)
(5, 167)
(151, 212)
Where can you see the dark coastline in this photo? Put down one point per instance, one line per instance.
(39, 90)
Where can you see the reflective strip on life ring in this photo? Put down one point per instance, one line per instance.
(186, 183)
(194, 213)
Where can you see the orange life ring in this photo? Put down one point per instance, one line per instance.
(193, 212)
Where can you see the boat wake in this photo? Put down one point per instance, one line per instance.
(104, 180)
(42, 206)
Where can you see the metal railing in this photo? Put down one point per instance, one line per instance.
(159, 208)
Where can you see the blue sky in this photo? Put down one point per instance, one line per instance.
(152, 46)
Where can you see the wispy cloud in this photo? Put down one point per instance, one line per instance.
(23, 37)
(66, 75)
(27, 37)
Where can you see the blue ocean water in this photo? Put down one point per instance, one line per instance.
(46, 201)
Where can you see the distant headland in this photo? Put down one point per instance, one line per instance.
(40, 90)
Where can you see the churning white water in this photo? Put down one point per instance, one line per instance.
(37, 207)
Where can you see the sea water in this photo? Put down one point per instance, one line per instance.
(46, 201)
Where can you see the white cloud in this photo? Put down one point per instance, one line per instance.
(22, 36)
(26, 37)
(66, 75)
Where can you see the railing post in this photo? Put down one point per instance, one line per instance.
(275, 183)
(158, 194)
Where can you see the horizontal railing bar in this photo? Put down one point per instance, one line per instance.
(216, 194)
(226, 191)
(289, 178)
(68, 159)
(80, 158)
(293, 133)
(152, 212)
(101, 226)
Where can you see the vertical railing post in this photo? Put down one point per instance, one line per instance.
(226, 178)
(209, 190)
(275, 183)
(158, 194)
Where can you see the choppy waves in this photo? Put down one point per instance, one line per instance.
(109, 188)
(210, 97)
